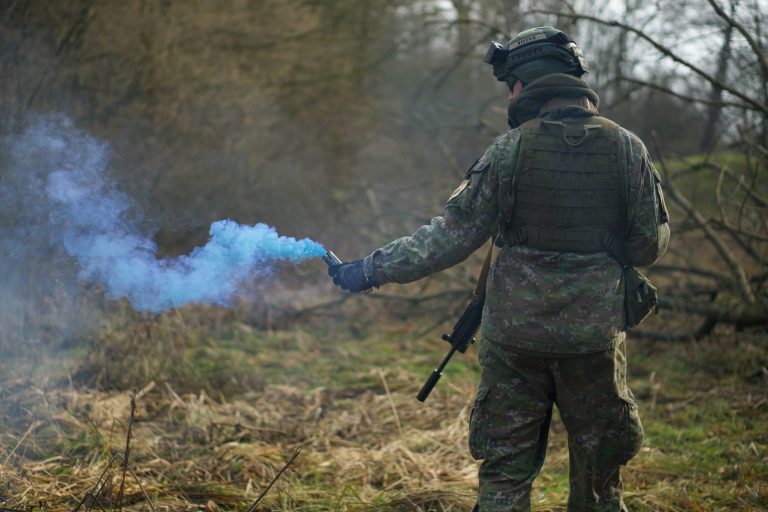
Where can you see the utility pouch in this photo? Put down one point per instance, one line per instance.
(640, 297)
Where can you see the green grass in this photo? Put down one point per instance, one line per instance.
(697, 177)
(706, 423)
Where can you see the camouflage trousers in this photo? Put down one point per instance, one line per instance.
(510, 423)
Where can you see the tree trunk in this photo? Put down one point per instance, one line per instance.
(714, 111)
(510, 10)
(463, 8)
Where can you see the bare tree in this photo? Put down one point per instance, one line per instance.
(726, 284)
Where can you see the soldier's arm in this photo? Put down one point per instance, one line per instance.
(470, 218)
(647, 216)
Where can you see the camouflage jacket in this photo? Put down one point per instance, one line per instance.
(542, 301)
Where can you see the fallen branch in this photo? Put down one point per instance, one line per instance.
(703, 330)
(713, 316)
(663, 268)
(737, 317)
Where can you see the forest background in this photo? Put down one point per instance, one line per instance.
(350, 122)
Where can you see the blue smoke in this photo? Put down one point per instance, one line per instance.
(96, 225)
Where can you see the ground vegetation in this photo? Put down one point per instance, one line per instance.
(351, 122)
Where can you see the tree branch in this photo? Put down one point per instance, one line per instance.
(759, 53)
(683, 97)
(663, 50)
(724, 170)
(742, 283)
(761, 150)
(741, 232)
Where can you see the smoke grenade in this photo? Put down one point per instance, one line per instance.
(331, 259)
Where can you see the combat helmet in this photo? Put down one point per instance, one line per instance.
(534, 53)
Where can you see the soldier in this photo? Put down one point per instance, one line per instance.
(573, 200)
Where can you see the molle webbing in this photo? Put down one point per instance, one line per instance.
(568, 186)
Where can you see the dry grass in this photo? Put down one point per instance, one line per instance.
(367, 444)
(190, 449)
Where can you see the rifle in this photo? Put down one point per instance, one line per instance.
(462, 335)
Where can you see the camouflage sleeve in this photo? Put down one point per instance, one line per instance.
(470, 219)
(647, 217)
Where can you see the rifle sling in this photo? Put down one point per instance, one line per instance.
(483, 279)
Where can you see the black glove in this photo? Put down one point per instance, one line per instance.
(350, 276)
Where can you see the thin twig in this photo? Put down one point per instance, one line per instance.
(151, 505)
(323, 305)
(753, 43)
(747, 247)
(391, 402)
(719, 193)
(762, 150)
(663, 50)
(740, 232)
(99, 485)
(463, 54)
(32, 427)
(278, 475)
(738, 179)
(424, 330)
(126, 454)
(684, 97)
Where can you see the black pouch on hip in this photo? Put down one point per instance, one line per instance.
(640, 297)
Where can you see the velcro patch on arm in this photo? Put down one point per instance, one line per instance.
(458, 190)
(480, 165)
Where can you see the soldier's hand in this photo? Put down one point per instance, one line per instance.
(350, 276)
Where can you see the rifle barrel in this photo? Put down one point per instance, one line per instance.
(431, 382)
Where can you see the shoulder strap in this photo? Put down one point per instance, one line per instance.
(613, 243)
(482, 280)
(507, 196)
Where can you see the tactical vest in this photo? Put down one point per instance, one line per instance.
(569, 186)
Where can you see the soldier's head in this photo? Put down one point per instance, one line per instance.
(533, 53)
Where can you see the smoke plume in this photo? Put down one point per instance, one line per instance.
(62, 175)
